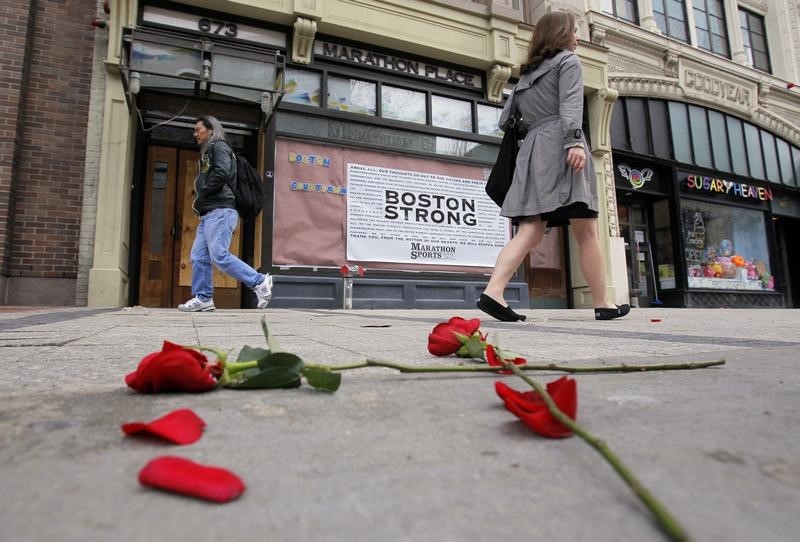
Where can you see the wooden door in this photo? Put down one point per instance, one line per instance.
(168, 231)
(227, 290)
(158, 233)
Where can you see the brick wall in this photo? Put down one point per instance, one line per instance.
(14, 32)
(46, 181)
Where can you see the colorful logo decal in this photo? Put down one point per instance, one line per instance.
(634, 176)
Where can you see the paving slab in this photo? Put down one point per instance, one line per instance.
(404, 457)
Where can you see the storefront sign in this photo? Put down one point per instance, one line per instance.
(397, 64)
(720, 186)
(395, 215)
(213, 26)
(702, 82)
(637, 178)
(300, 186)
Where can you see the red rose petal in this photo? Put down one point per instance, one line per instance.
(180, 426)
(655, 319)
(180, 475)
(532, 410)
(494, 360)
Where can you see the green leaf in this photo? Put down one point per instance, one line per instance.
(282, 359)
(248, 353)
(281, 370)
(322, 378)
(272, 344)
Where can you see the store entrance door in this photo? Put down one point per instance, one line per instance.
(634, 229)
(786, 230)
(168, 231)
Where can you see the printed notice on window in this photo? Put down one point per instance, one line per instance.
(394, 215)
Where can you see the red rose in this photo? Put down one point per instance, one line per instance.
(529, 406)
(344, 270)
(494, 360)
(443, 340)
(175, 368)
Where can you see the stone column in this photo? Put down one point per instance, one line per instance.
(646, 18)
(735, 39)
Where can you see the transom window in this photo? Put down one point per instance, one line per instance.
(670, 16)
(622, 9)
(698, 136)
(709, 21)
(755, 40)
(415, 119)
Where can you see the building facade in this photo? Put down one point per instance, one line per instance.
(46, 90)
(706, 155)
(376, 154)
(374, 125)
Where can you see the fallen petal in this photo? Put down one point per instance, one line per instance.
(532, 410)
(186, 477)
(180, 426)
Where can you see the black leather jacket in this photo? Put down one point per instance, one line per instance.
(216, 175)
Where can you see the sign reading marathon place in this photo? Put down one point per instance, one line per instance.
(405, 66)
(730, 188)
(396, 215)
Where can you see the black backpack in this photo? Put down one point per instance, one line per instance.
(249, 189)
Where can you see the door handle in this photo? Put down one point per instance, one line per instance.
(173, 231)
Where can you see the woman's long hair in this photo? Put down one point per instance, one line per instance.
(217, 131)
(553, 33)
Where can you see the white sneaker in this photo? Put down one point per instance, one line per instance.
(264, 292)
(196, 305)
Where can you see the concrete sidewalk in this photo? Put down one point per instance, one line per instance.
(405, 457)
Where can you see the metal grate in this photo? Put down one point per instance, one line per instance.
(733, 300)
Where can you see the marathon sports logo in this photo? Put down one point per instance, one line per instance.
(420, 251)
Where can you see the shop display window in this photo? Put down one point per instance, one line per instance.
(488, 120)
(170, 60)
(664, 255)
(725, 247)
(451, 113)
(402, 104)
(351, 95)
(302, 87)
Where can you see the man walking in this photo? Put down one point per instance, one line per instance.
(215, 204)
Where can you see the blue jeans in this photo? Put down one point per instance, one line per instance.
(212, 245)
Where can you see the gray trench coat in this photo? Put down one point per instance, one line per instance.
(550, 100)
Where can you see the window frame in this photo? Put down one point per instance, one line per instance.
(706, 14)
(747, 33)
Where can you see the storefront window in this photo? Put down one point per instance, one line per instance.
(302, 87)
(351, 95)
(488, 120)
(719, 140)
(770, 157)
(785, 159)
(753, 142)
(452, 114)
(664, 255)
(736, 141)
(454, 147)
(402, 104)
(726, 247)
(681, 142)
(700, 142)
(172, 61)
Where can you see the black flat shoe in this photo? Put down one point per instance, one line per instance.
(497, 311)
(610, 314)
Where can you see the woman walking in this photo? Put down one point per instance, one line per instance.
(554, 181)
